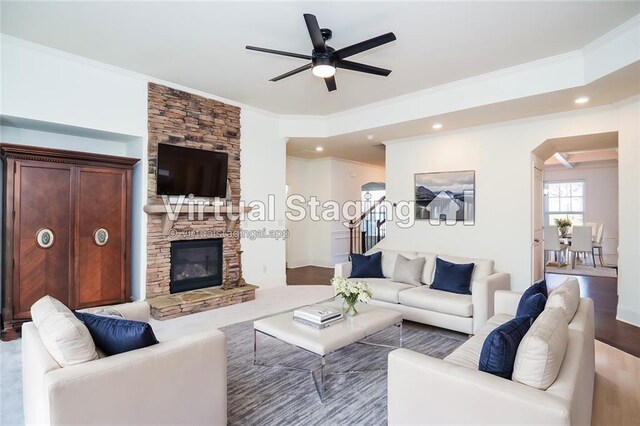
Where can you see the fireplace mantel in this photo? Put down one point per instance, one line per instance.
(226, 210)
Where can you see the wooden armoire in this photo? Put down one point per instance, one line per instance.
(67, 230)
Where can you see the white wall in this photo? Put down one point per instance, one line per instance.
(323, 243)
(629, 202)
(262, 173)
(601, 195)
(57, 91)
(501, 157)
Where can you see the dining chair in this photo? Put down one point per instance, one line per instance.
(551, 240)
(594, 228)
(581, 242)
(597, 244)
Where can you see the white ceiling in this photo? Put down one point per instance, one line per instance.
(201, 44)
(356, 146)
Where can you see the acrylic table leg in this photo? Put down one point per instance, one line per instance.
(319, 382)
(255, 345)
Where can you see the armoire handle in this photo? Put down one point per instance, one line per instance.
(101, 236)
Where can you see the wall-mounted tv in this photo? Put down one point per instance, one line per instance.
(184, 171)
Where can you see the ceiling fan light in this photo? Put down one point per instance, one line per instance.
(323, 71)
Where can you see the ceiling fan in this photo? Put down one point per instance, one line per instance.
(325, 59)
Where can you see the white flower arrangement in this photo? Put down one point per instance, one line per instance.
(352, 292)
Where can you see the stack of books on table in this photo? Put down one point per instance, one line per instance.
(317, 316)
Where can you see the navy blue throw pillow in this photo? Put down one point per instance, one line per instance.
(538, 287)
(366, 266)
(500, 347)
(531, 306)
(453, 277)
(114, 335)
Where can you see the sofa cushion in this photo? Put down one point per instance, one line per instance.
(366, 266)
(385, 290)
(66, 338)
(501, 345)
(468, 355)
(408, 271)
(482, 269)
(429, 267)
(566, 297)
(389, 259)
(531, 305)
(542, 349)
(438, 301)
(116, 335)
(452, 277)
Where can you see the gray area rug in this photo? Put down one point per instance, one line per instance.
(259, 395)
(263, 395)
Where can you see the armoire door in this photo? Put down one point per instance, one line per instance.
(43, 206)
(101, 236)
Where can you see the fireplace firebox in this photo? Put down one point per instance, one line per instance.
(195, 264)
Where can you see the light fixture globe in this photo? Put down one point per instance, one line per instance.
(323, 66)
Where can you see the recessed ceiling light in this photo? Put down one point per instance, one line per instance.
(319, 148)
(370, 137)
(437, 126)
(582, 100)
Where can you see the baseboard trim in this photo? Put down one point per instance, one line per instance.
(303, 263)
(629, 316)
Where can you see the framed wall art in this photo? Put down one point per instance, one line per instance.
(447, 197)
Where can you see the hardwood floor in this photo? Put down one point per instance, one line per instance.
(616, 393)
(616, 396)
(604, 293)
(309, 275)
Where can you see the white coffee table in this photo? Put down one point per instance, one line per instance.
(369, 321)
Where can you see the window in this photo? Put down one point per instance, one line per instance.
(564, 200)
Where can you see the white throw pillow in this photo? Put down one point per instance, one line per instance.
(66, 338)
(408, 271)
(566, 297)
(541, 351)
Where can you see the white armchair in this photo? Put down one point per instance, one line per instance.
(182, 381)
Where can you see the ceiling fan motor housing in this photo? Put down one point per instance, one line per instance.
(326, 33)
(323, 58)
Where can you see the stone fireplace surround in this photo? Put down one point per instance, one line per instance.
(185, 119)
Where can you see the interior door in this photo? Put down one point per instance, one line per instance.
(101, 236)
(538, 224)
(42, 204)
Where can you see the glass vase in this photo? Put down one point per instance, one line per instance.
(350, 308)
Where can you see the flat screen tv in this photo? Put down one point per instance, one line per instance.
(184, 171)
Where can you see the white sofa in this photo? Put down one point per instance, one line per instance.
(466, 313)
(182, 381)
(425, 390)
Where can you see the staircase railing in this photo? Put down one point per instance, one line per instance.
(368, 229)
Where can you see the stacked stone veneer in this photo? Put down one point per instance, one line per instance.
(185, 119)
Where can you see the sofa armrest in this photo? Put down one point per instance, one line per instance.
(182, 381)
(36, 362)
(137, 311)
(342, 270)
(422, 388)
(506, 302)
(482, 297)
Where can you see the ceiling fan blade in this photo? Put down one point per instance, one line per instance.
(279, 52)
(292, 72)
(369, 69)
(331, 83)
(314, 32)
(345, 52)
